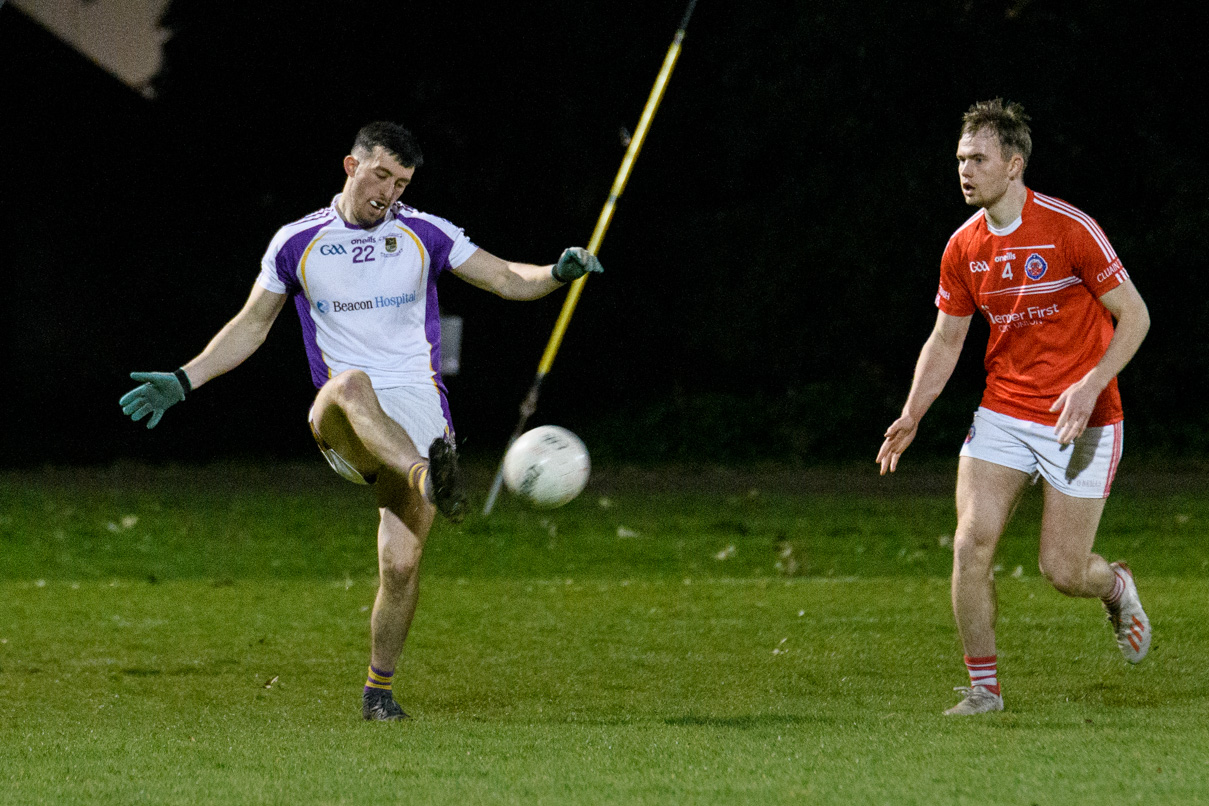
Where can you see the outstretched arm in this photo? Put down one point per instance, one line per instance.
(1078, 400)
(525, 281)
(936, 362)
(238, 339)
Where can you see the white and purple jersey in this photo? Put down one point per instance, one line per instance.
(367, 297)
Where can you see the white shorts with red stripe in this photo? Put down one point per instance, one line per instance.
(1083, 469)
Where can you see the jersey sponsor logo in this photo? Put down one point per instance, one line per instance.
(394, 302)
(358, 305)
(1008, 256)
(1035, 267)
(332, 249)
(366, 239)
(941, 291)
(338, 306)
(979, 265)
(1032, 315)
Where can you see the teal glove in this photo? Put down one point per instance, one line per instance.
(575, 263)
(159, 391)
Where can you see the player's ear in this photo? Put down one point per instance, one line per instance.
(350, 165)
(1015, 166)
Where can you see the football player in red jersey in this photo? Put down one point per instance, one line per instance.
(1048, 282)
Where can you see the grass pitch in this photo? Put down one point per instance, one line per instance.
(200, 636)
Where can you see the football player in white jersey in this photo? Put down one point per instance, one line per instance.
(362, 274)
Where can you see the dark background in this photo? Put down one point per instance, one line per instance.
(770, 270)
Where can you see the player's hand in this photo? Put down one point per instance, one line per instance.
(159, 391)
(575, 263)
(1076, 404)
(899, 435)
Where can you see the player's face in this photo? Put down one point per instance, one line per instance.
(982, 169)
(375, 182)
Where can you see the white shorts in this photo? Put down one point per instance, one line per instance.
(419, 409)
(1083, 469)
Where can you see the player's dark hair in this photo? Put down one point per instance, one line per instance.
(1007, 120)
(398, 142)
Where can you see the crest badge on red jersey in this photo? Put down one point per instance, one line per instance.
(1035, 266)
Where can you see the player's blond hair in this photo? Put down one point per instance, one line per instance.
(1007, 120)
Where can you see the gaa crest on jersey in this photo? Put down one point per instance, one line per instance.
(392, 244)
(1035, 266)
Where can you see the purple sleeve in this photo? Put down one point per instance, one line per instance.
(436, 241)
(290, 255)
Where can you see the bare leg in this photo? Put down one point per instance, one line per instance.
(986, 497)
(1068, 530)
(405, 521)
(349, 418)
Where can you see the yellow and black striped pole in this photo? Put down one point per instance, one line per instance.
(529, 404)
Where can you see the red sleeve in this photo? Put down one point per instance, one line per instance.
(1092, 257)
(954, 297)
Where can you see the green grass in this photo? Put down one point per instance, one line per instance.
(180, 635)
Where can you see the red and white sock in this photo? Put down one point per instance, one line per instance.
(983, 672)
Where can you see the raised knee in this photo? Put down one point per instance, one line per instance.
(352, 384)
(351, 390)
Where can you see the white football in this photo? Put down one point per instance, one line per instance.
(547, 466)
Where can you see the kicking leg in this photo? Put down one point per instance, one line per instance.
(349, 419)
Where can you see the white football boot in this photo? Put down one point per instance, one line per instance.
(979, 700)
(1128, 619)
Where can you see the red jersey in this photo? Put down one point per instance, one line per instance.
(1037, 282)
